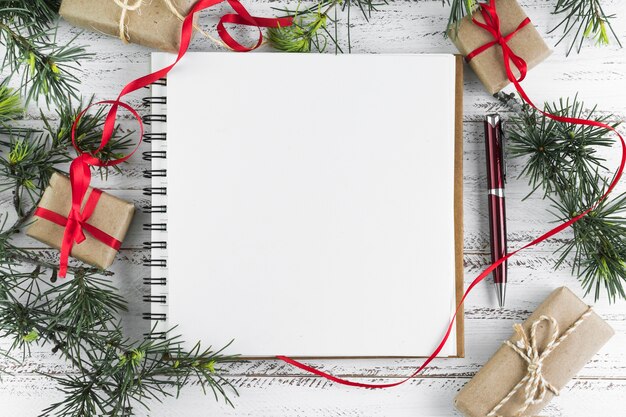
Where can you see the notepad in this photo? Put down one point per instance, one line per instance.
(305, 204)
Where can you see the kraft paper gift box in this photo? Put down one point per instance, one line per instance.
(111, 215)
(153, 24)
(581, 333)
(527, 43)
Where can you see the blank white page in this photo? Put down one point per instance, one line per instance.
(310, 202)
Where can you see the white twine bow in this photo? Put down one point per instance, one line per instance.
(534, 383)
(123, 27)
(123, 4)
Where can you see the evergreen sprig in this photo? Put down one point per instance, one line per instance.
(561, 155)
(583, 19)
(458, 10)
(303, 35)
(28, 34)
(599, 244)
(312, 29)
(10, 106)
(34, 15)
(562, 160)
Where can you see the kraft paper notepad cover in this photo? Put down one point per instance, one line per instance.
(314, 202)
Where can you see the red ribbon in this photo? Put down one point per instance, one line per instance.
(80, 170)
(492, 25)
(74, 225)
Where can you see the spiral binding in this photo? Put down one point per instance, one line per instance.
(155, 191)
(161, 82)
(149, 118)
(155, 281)
(155, 174)
(154, 209)
(152, 173)
(150, 155)
(154, 136)
(161, 263)
(148, 101)
(160, 299)
(161, 227)
(154, 316)
(155, 245)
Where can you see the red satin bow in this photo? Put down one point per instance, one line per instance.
(492, 25)
(80, 169)
(74, 224)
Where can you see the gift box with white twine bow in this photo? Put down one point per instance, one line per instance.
(544, 353)
(153, 23)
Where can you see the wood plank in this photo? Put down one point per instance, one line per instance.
(306, 396)
(270, 388)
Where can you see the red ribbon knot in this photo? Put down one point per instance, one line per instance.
(76, 225)
(492, 25)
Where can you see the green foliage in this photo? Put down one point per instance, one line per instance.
(583, 19)
(33, 15)
(125, 374)
(311, 30)
(10, 105)
(562, 161)
(599, 244)
(302, 36)
(32, 155)
(561, 155)
(458, 10)
(29, 38)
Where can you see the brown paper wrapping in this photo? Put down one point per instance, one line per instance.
(506, 368)
(112, 216)
(153, 24)
(489, 65)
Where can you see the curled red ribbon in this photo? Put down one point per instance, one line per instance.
(80, 170)
(492, 25)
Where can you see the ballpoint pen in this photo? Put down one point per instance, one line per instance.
(496, 178)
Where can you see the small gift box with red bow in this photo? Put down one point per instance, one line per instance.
(544, 353)
(500, 43)
(92, 233)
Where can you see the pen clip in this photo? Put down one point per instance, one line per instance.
(503, 150)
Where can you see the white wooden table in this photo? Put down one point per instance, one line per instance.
(270, 388)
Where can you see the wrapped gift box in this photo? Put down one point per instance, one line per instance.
(489, 64)
(111, 215)
(153, 24)
(580, 334)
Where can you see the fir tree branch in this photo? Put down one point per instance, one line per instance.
(310, 32)
(583, 19)
(562, 160)
(458, 10)
(31, 49)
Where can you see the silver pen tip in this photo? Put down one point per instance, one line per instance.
(493, 119)
(500, 293)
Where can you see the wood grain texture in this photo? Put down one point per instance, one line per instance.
(271, 388)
